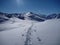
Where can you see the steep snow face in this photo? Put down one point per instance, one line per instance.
(27, 15)
(34, 17)
(26, 32)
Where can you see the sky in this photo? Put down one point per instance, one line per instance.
(36, 6)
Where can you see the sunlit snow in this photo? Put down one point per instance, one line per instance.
(26, 32)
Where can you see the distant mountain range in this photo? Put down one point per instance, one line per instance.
(28, 16)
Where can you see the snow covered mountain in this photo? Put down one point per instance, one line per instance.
(27, 32)
(3, 17)
(32, 16)
(29, 29)
(29, 16)
(53, 16)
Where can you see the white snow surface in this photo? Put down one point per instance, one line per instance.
(15, 31)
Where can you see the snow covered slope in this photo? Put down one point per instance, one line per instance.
(27, 32)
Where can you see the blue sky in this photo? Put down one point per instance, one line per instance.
(37, 6)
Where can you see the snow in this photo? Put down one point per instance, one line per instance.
(26, 32)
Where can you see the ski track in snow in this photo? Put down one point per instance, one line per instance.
(30, 33)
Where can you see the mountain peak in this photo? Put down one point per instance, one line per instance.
(28, 13)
